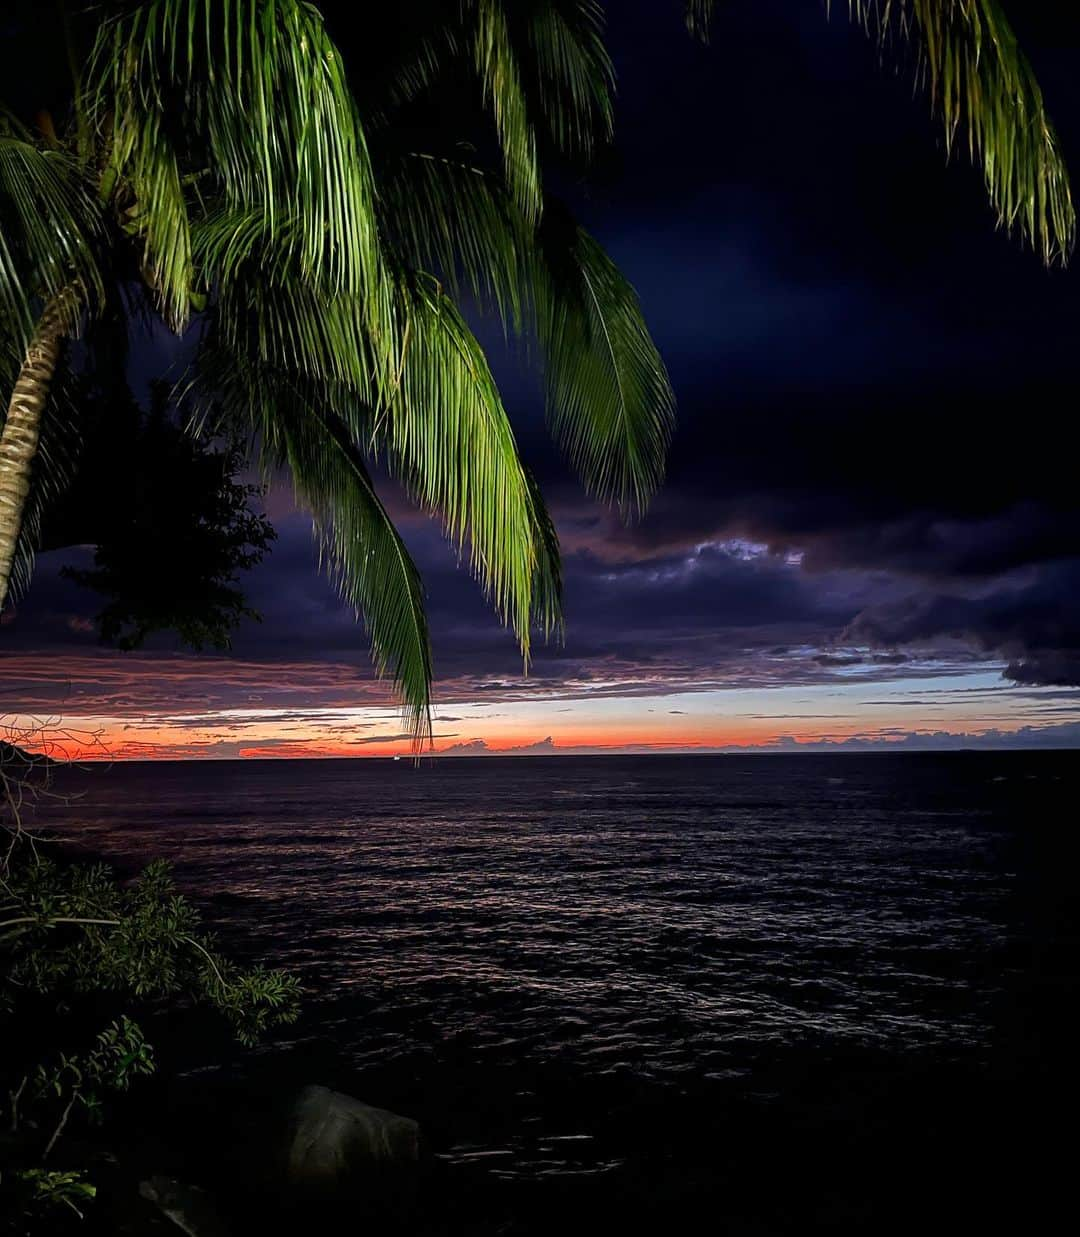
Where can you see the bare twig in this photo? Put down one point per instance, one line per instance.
(63, 1121)
(14, 1097)
(31, 749)
(51, 921)
(206, 954)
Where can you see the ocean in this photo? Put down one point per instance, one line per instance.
(767, 994)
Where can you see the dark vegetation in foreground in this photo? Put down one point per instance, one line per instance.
(92, 967)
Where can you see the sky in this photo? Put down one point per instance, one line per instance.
(870, 533)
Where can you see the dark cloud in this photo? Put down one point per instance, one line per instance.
(1063, 735)
(1034, 620)
(467, 747)
(893, 739)
(1055, 669)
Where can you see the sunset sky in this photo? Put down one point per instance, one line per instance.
(870, 531)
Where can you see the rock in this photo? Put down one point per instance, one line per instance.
(335, 1136)
(187, 1206)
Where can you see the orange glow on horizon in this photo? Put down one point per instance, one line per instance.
(110, 743)
(290, 719)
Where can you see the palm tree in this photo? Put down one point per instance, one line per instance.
(50, 226)
(225, 160)
(222, 162)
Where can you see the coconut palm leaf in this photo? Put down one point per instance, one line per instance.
(270, 124)
(457, 221)
(438, 418)
(361, 549)
(437, 414)
(447, 435)
(49, 230)
(574, 73)
(266, 309)
(499, 73)
(542, 65)
(982, 85)
(154, 208)
(699, 18)
(547, 598)
(609, 397)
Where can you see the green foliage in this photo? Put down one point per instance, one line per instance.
(296, 428)
(330, 225)
(269, 124)
(575, 79)
(80, 948)
(119, 1054)
(448, 437)
(239, 173)
(36, 1195)
(74, 929)
(609, 399)
(981, 84)
(497, 68)
(89, 965)
(372, 568)
(50, 226)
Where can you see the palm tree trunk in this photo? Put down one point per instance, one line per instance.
(22, 429)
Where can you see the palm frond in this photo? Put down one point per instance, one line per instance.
(457, 221)
(497, 66)
(438, 417)
(699, 18)
(229, 242)
(365, 554)
(271, 122)
(158, 210)
(609, 397)
(982, 84)
(436, 412)
(575, 74)
(361, 549)
(547, 598)
(49, 231)
(270, 314)
(266, 308)
(447, 435)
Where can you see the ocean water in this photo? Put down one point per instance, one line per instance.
(791, 994)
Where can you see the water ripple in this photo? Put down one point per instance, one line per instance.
(553, 920)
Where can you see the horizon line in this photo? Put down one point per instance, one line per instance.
(408, 758)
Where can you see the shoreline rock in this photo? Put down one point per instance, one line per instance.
(334, 1137)
(188, 1207)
